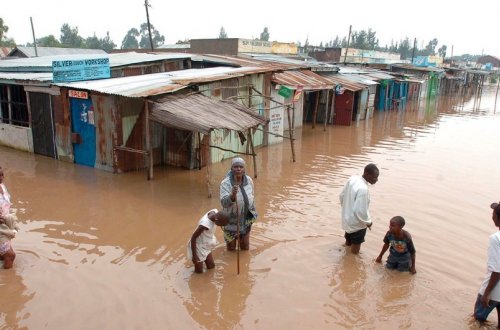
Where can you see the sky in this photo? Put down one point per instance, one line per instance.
(471, 29)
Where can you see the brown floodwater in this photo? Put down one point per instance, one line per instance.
(98, 250)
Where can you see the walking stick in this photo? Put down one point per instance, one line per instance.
(237, 235)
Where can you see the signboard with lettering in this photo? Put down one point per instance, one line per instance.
(78, 94)
(78, 70)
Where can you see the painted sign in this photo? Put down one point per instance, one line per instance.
(285, 92)
(78, 94)
(78, 70)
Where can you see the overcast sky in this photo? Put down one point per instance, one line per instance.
(470, 29)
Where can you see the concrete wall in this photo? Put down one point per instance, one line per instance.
(16, 137)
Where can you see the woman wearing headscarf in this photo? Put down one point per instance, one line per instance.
(237, 198)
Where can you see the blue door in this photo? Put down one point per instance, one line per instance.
(82, 122)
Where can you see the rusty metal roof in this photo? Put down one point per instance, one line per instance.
(305, 79)
(157, 83)
(202, 114)
(243, 61)
(338, 79)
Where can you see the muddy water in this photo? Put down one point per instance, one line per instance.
(98, 250)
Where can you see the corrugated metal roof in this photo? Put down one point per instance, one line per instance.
(243, 61)
(202, 114)
(26, 76)
(338, 79)
(157, 83)
(305, 79)
(417, 68)
(49, 51)
(379, 76)
(44, 63)
(362, 79)
(320, 66)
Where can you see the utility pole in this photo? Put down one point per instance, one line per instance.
(348, 40)
(146, 4)
(413, 51)
(451, 55)
(34, 39)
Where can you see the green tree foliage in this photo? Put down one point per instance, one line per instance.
(105, 43)
(4, 41)
(3, 29)
(430, 48)
(70, 37)
(47, 41)
(264, 36)
(145, 43)
(130, 41)
(442, 51)
(222, 33)
(364, 40)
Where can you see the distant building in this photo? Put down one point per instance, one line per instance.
(352, 55)
(495, 61)
(236, 46)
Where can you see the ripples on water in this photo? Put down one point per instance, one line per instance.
(108, 251)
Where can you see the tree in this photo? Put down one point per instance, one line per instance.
(222, 33)
(3, 29)
(106, 43)
(145, 42)
(4, 41)
(265, 34)
(442, 51)
(130, 41)
(47, 41)
(70, 37)
(430, 49)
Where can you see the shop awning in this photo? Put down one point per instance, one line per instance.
(303, 79)
(202, 114)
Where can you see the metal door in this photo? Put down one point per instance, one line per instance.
(42, 124)
(83, 128)
(343, 108)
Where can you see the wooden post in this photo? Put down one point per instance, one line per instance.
(290, 128)
(326, 108)
(199, 150)
(148, 141)
(252, 150)
(332, 111)
(315, 112)
(209, 164)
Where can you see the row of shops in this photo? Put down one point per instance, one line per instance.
(185, 110)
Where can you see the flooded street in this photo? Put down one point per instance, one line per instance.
(98, 250)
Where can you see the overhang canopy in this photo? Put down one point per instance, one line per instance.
(305, 79)
(202, 114)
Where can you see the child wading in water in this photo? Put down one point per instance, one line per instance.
(203, 240)
(402, 251)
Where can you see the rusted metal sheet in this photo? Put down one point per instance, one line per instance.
(105, 113)
(60, 105)
(344, 104)
(304, 79)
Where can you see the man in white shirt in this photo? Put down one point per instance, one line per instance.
(355, 200)
(489, 293)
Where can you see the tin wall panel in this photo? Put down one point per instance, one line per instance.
(105, 118)
(60, 105)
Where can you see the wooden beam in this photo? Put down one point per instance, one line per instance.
(148, 142)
